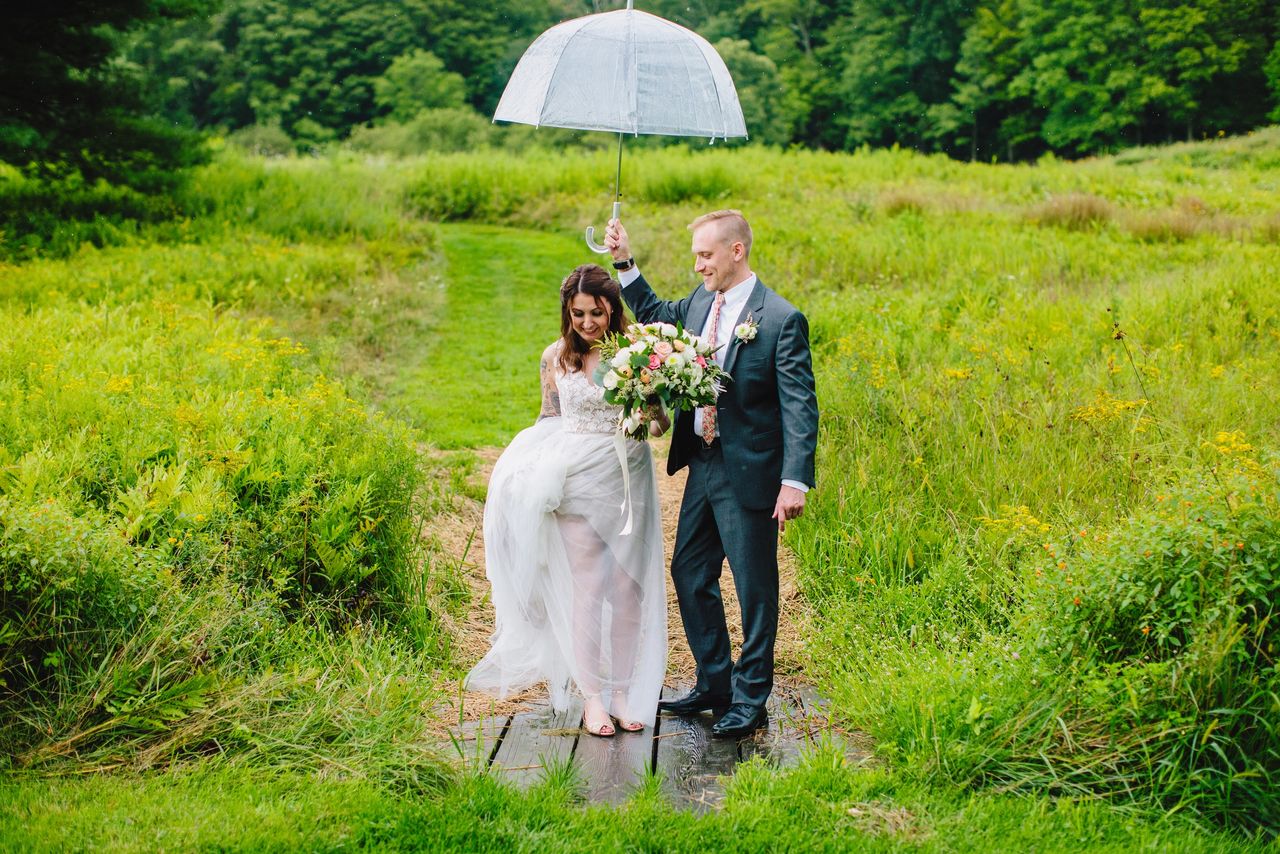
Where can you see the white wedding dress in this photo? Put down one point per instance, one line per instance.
(578, 604)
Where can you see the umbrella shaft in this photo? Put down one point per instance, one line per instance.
(617, 183)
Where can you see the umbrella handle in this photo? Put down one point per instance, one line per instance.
(591, 233)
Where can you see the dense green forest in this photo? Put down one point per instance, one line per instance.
(977, 79)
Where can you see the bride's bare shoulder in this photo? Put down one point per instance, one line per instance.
(552, 351)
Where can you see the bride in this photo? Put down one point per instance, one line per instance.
(579, 604)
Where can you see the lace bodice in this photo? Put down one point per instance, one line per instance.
(582, 405)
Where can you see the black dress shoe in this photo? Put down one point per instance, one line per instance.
(739, 721)
(696, 702)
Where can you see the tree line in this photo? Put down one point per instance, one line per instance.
(977, 79)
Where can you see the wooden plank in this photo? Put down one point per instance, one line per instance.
(535, 739)
(781, 743)
(857, 747)
(613, 767)
(690, 761)
(476, 742)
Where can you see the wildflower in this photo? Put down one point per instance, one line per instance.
(1146, 630)
(1076, 600)
(172, 540)
(1062, 564)
(1105, 408)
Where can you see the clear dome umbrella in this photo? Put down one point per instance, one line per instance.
(627, 72)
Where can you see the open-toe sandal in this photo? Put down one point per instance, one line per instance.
(627, 726)
(605, 731)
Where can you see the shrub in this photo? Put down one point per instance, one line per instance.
(1163, 226)
(1170, 623)
(698, 178)
(208, 445)
(447, 129)
(55, 217)
(269, 140)
(1073, 211)
(896, 202)
(178, 468)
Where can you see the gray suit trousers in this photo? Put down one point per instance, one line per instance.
(714, 525)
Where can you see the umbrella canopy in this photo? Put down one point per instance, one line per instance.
(624, 71)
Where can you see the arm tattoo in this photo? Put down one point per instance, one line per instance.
(550, 393)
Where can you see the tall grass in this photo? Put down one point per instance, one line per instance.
(1008, 382)
(992, 381)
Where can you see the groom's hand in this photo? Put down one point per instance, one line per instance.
(790, 506)
(616, 240)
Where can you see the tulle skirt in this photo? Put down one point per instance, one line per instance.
(579, 604)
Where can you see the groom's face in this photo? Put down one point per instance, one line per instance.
(717, 260)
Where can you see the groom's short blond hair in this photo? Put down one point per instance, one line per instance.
(733, 227)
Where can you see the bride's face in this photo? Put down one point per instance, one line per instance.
(590, 318)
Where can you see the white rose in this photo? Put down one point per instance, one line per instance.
(622, 359)
(745, 331)
(611, 380)
(669, 330)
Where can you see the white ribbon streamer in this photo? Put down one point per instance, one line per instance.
(620, 445)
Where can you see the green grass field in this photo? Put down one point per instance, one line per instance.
(1042, 553)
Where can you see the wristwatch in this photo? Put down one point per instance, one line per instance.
(623, 266)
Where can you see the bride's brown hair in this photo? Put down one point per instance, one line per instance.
(594, 281)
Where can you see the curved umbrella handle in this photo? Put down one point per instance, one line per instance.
(591, 232)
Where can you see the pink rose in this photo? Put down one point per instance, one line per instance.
(702, 363)
(654, 362)
(663, 349)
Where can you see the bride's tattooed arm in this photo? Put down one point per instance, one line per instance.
(550, 392)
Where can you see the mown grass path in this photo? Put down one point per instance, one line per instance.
(477, 383)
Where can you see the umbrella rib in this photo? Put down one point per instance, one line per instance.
(724, 133)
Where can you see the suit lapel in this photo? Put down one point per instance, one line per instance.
(699, 308)
(754, 308)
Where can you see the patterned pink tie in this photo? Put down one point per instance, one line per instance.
(709, 412)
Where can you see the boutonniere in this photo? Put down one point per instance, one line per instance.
(746, 331)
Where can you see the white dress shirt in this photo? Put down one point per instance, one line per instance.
(735, 300)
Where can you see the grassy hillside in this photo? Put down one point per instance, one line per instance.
(1043, 549)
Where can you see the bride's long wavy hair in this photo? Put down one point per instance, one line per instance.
(594, 281)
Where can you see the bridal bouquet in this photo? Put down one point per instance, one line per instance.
(656, 364)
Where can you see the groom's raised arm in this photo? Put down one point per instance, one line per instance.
(648, 307)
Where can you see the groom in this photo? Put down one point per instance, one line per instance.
(750, 460)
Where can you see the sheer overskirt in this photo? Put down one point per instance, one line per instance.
(578, 604)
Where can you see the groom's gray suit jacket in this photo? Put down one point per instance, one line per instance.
(768, 412)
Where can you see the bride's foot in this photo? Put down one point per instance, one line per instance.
(622, 718)
(595, 719)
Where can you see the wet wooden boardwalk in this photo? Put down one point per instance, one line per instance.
(691, 764)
